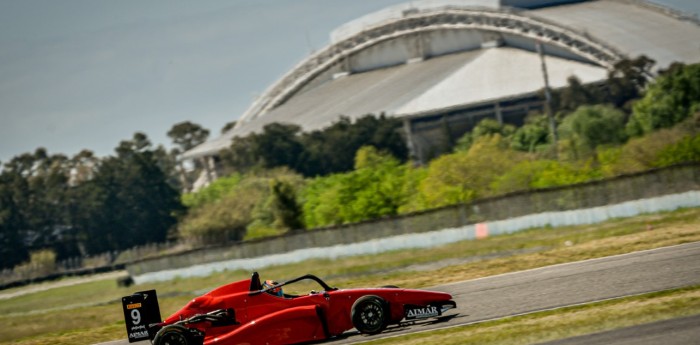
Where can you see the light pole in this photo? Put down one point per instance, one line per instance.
(547, 95)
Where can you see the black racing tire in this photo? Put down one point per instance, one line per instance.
(172, 335)
(370, 314)
(390, 287)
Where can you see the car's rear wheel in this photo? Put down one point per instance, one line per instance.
(370, 314)
(172, 335)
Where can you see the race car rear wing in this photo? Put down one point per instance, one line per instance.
(141, 313)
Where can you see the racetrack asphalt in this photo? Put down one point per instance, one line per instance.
(681, 331)
(556, 286)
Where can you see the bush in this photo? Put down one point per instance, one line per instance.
(41, 263)
(591, 126)
(683, 151)
(642, 153)
(213, 192)
(543, 174)
(223, 220)
(226, 211)
(374, 189)
(465, 176)
(486, 127)
(533, 136)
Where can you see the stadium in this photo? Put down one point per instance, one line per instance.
(443, 66)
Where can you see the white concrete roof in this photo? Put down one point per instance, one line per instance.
(355, 26)
(495, 74)
(444, 82)
(631, 27)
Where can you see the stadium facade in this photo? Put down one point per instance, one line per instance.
(443, 66)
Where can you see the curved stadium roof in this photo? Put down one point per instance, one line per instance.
(430, 57)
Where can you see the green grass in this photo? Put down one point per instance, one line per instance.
(90, 312)
(97, 292)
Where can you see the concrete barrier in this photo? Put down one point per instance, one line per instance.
(624, 196)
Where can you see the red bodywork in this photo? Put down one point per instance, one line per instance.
(263, 318)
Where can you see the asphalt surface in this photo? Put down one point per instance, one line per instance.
(557, 286)
(682, 331)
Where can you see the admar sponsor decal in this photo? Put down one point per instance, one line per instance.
(422, 312)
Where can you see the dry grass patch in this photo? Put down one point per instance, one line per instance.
(92, 311)
(661, 236)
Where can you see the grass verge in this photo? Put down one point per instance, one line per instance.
(565, 322)
(90, 312)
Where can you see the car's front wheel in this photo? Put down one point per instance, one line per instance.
(172, 335)
(370, 314)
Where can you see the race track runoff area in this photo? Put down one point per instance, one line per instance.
(558, 286)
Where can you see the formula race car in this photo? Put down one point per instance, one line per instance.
(255, 312)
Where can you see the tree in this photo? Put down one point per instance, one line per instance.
(83, 166)
(463, 176)
(316, 153)
(533, 135)
(333, 149)
(228, 126)
(278, 145)
(386, 135)
(576, 94)
(187, 135)
(591, 126)
(485, 127)
(240, 157)
(225, 220)
(173, 169)
(330, 150)
(285, 208)
(374, 189)
(12, 247)
(39, 190)
(239, 206)
(129, 201)
(627, 81)
(670, 99)
(378, 184)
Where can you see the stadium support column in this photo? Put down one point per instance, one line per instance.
(186, 185)
(547, 94)
(412, 152)
(208, 163)
(497, 110)
(417, 49)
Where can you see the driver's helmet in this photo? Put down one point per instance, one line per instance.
(276, 291)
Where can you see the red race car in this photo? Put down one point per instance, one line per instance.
(254, 312)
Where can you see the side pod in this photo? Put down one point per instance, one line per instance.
(294, 325)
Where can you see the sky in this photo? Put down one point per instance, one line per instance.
(85, 74)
